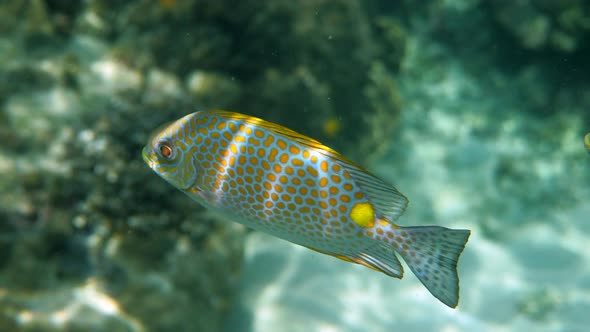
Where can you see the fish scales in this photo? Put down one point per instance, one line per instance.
(273, 183)
(278, 181)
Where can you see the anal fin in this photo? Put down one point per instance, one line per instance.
(379, 257)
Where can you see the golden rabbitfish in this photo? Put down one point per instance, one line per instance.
(277, 181)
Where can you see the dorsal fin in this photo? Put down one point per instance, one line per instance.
(386, 199)
(276, 129)
(379, 257)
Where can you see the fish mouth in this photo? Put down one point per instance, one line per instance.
(144, 155)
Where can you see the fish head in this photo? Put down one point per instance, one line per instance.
(168, 152)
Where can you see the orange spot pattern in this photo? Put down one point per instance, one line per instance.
(275, 184)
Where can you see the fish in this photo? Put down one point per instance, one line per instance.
(587, 141)
(277, 181)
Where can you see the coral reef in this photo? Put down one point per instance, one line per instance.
(558, 25)
(540, 44)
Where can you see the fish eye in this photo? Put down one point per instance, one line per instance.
(166, 151)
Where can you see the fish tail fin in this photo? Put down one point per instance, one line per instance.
(432, 253)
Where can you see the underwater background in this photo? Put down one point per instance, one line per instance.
(475, 110)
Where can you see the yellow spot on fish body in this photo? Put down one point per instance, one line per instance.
(363, 214)
(306, 154)
(281, 144)
(258, 133)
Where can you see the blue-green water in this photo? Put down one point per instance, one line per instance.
(476, 111)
